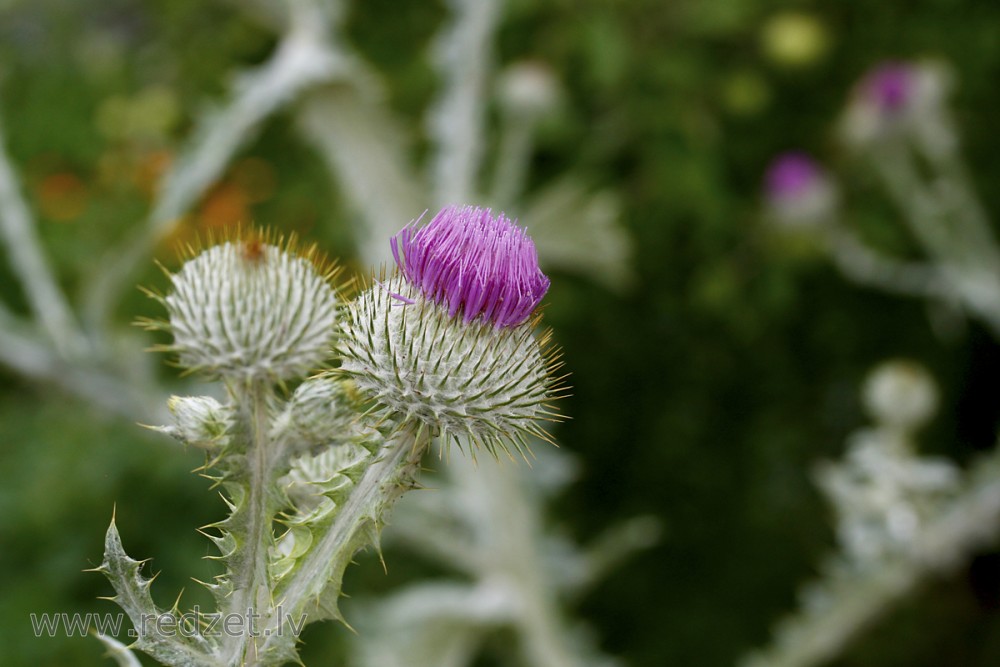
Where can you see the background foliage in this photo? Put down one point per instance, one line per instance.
(703, 393)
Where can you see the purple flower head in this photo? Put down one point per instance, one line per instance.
(890, 86)
(791, 175)
(470, 261)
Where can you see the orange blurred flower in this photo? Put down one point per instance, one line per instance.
(62, 196)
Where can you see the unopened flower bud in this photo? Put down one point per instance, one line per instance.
(317, 413)
(199, 421)
(528, 89)
(448, 340)
(248, 309)
(901, 394)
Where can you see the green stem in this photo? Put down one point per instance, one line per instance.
(251, 589)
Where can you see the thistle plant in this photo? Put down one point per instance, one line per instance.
(798, 193)
(883, 493)
(317, 76)
(900, 518)
(441, 347)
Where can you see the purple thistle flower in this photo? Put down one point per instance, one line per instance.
(889, 86)
(791, 175)
(466, 259)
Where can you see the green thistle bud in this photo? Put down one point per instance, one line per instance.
(199, 421)
(901, 394)
(250, 309)
(319, 412)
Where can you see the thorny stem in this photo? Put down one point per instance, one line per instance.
(251, 590)
(954, 236)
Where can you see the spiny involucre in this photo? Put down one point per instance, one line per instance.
(448, 340)
(251, 308)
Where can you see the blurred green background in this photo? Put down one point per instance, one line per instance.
(703, 394)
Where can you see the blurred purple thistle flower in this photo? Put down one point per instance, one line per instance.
(466, 259)
(791, 175)
(889, 86)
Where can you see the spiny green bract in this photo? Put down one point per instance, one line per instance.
(493, 385)
(316, 486)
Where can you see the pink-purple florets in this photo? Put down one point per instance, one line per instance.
(890, 86)
(473, 262)
(791, 175)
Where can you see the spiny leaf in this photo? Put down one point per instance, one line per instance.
(133, 596)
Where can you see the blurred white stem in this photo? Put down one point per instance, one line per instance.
(362, 148)
(616, 545)
(429, 533)
(509, 540)
(23, 353)
(433, 624)
(118, 652)
(24, 249)
(955, 186)
(865, 266)
(301, 60)
(513, 160)
(921, 211)
(464, 57)
(815, 636)
(946, 219)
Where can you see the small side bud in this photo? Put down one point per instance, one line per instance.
(199, 421)
(320, 411)
(528, 89)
